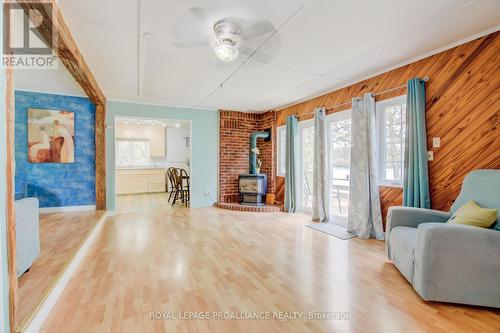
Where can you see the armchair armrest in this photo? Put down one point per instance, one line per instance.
(457, 263)
(27, 233)
(412, 217)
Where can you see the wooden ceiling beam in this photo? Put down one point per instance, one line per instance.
(60, 38)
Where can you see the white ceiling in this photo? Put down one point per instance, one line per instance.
(317, 46)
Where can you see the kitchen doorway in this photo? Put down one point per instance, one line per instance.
(152, 164)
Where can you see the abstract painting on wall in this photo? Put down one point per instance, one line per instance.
(51, 136)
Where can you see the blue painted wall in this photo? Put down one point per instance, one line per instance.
(4, 302)
(204, 146)
(57, 184)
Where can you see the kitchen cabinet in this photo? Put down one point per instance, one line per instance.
(157, 141)
(129, 181)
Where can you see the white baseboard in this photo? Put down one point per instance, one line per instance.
(67, 209)
(50, 300)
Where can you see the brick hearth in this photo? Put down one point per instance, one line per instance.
(245, 208)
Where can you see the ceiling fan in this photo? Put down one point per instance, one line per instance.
(228, 37)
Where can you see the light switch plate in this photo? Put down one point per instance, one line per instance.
(430, 155)
(436, 142)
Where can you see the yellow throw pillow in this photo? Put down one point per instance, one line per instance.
(471, 214)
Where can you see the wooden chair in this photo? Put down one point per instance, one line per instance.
(185, 189)
(180, 185)
(177, 182)
(172, 183)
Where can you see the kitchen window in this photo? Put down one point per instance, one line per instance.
(132, 152)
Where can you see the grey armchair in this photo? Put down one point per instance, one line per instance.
(450, 262)
(27, 233)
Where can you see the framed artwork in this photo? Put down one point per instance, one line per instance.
(51, 136)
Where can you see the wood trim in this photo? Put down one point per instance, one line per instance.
(100, 157)
(62, 41)
(64, 44)
(11, 216)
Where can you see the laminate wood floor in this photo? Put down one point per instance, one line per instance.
(61, 234)
(147, 202)
(214, 260)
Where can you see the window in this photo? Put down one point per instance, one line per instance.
(339, 160)
(339, 141)
(281, 150)
(391, 119)
(306, 164)
(132, 152)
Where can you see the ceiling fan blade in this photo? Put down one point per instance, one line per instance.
(258, 29)
(189, 45)
(189, 30)
(177, 44)
(256, 56)
(200, 13)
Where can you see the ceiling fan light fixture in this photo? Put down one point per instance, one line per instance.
(226, 53)
(226, 41)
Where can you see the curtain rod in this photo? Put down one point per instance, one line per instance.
(425, 79)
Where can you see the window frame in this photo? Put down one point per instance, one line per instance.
(281, 169)
(381, 146)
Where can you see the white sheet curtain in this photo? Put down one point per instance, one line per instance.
(364, 218)
(321, 178)
(291, 164)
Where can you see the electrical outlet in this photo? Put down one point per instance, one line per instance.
(206, 193)
(430, 155)
(436, 142)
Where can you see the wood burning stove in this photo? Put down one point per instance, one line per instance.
(253, 189)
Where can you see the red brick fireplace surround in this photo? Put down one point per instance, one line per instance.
(235, 130)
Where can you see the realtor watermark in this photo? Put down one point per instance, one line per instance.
(24, 45)
(248, 315)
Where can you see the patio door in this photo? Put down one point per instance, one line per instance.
(306, 165)
(339, 140)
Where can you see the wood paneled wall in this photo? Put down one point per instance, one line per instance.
(462, 108)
